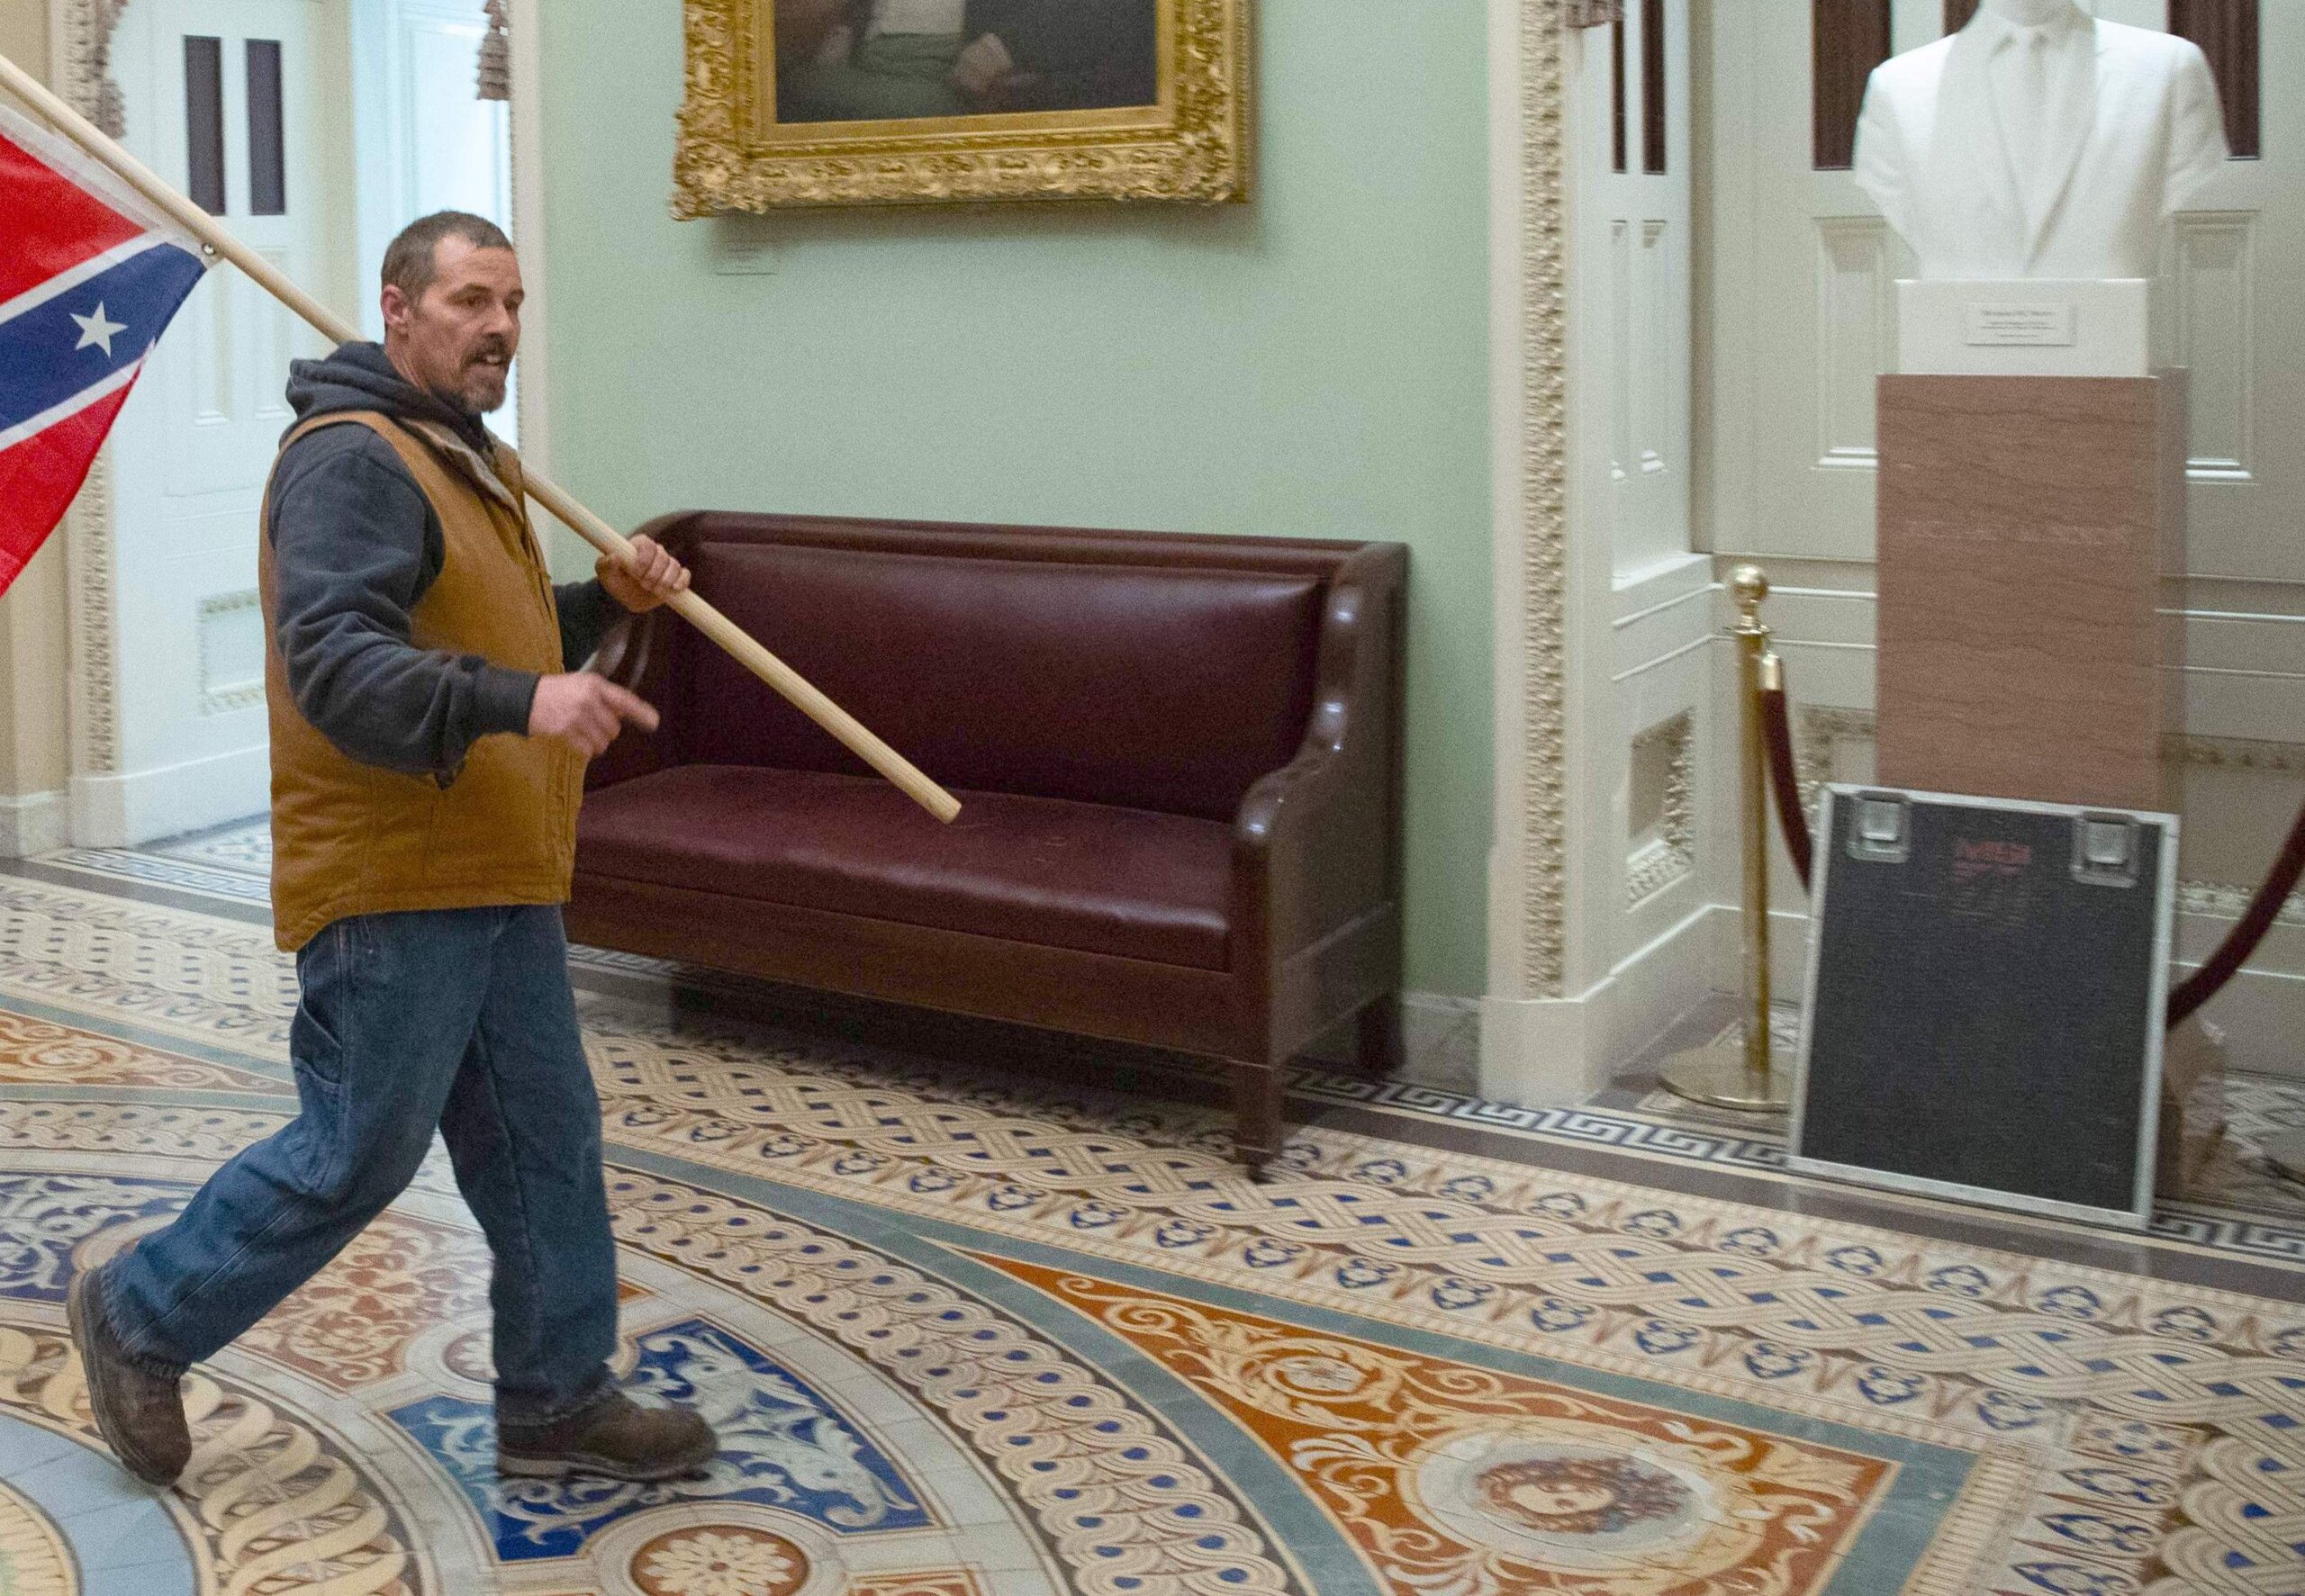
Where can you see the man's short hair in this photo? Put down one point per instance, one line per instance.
(408, 263)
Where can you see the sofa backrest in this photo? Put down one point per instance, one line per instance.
(1099, 670)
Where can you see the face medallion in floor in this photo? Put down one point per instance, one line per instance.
(968, 1334)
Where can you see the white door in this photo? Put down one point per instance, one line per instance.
(2228, 313)
(1630, 156)
(428, 142)
(232, 100)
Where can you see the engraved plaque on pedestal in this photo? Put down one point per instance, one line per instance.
(2033, 328)
(2028, 525)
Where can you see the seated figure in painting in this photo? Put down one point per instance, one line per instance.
(871, 60)
(1062, 55)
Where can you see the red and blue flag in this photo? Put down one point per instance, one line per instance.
(90, 273)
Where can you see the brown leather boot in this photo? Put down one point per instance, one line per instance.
(614, 1438)
(140, 1414)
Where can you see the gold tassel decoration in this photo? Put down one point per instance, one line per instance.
(496, 55)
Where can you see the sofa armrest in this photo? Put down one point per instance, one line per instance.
(645, 655)
(1317, 842)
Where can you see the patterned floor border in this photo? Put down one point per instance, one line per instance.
(189, 865)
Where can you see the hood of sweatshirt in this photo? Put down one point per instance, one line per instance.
(360, 377)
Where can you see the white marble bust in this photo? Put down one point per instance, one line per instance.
(2038, 142)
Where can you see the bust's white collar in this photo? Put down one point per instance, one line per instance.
(1994, 30)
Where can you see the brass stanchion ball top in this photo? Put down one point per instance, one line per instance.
(1749, 587)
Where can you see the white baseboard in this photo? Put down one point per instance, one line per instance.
(1543, 1052)
(37, 823)
(1657, 987)
(120, 811)
(1440, 1042)
(1557, 1052)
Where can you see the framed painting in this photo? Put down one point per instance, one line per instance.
(913, 102)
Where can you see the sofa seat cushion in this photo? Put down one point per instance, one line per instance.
(1099, 879)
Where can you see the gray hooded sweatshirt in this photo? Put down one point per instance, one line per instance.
(354, 545)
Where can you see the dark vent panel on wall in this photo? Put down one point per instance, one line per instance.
(267, 160)
(1617, 97)
(1848, 39)
(2226, 32)
(1653, 102)
(203, 122)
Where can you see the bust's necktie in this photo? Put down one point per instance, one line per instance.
(2029, 120)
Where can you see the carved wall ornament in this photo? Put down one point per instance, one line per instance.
(1544, 501)
(495, 73)
(1817, 729)
(1000, 124)
(89, 87)
(84, 29)
(1670, 856)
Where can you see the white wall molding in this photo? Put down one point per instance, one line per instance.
(114, 811)
(528, 232)
(80, 45)
(1530, 912)
(36, 822)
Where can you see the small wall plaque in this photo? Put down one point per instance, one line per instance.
(2035, 325)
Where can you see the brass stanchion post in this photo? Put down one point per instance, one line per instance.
(1737, 1074)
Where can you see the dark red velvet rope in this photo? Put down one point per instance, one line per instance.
(2250, 930)
(1777, 721)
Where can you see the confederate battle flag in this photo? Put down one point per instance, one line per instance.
(89, 275)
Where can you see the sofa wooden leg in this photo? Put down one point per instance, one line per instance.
(1381, 1052)
(1259, 1091)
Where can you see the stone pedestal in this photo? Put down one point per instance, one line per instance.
(2028, 525)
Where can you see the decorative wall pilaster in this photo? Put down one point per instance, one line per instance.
(84, 78)
(1544, 501)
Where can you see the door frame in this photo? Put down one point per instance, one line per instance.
(80, 33)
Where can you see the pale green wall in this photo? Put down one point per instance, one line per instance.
(1312, 364)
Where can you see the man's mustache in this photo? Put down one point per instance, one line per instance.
(491, 348)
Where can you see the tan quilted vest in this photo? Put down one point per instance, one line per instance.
(349, 838)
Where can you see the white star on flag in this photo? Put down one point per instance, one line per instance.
(96, 331)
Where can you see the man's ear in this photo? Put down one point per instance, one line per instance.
(395, 304)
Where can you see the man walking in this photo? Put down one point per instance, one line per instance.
(430, 732)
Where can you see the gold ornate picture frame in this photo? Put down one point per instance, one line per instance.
(1136, 100)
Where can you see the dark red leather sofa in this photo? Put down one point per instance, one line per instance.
(1179, 759)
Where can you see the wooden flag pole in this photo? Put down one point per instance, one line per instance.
(593, 530)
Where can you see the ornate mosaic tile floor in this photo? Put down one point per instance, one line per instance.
(968, 1333)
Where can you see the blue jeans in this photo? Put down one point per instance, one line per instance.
(456, 1018)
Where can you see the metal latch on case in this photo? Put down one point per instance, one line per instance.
(1883, 832)
(2105, 850)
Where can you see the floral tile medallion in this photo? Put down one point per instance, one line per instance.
(1457, 1477)
(783, 1444)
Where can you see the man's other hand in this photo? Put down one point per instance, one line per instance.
(586, 712)
(652, 577)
